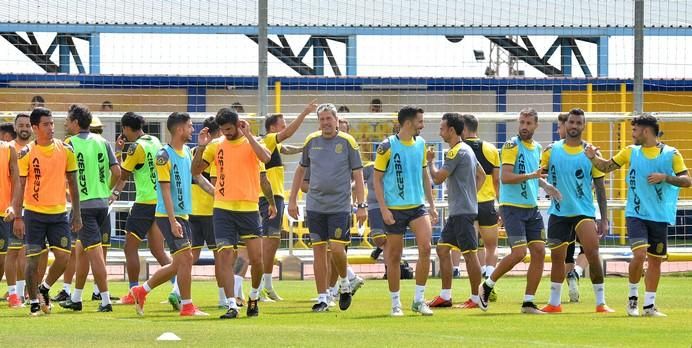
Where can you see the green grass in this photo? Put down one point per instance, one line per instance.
(366, 323)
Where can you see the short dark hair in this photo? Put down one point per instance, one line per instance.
(271, 120)
(38, 99)
(37, 113)
(376, 101)
(81, 114)
(647, 120)
(470, 122)
(343, 108)
(107, 104)
(20, 115)
(8, 127)
(408, 113)
(529, 112)
(562, 117)
(577, 112)
(175, 119)
(210, 123)
(132, 120)
(238, 107)
(226, 115)
(455, 121)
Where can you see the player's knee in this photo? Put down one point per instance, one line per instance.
(639, 255)
(424, 250)
(518, 253)
(443, 252)
(255, 260)
(537, 252)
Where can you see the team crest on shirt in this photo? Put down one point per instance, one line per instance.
(131, 149)
(337, 232)
(509, 145)
(659, 248)
(339, 148)
(162, 157)
(63, 242)
(104, 237)
(24, 152)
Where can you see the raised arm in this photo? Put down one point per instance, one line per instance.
(291, 150)
(262, 153)
(293, 126)
(198, 162)
(604, 165)
(438, 176)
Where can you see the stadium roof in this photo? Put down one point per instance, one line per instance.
(396, 16)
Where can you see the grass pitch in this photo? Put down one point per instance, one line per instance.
(367, 323)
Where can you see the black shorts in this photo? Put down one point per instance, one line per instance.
(562, 230)
(140, 220)
(271, 228)
(14, 242)
(175, 244)
(329, 227)
(232, 226)
(96, 226)
(523, 225)
(202, 231)
(650, 234)
(403, 218)
(487, 215)
(376, 223)
(40, 228)
(459, 233)
(5, 232)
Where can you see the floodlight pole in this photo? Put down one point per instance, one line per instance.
(638, 87)
(263, 90)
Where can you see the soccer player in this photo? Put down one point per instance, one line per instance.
(465, 177)
(7, 132)
(333, 157)
(277, 133)
(239, 158)
(655, 175)
(16, 256)
(44, 166)
(201, 222)
(96, 128)
(488, 220)
(571, 172)
(573, 270)
(519, 182)
(94, 158)
(401, 184)
(10, 197)
(140, 163)
(173, 207)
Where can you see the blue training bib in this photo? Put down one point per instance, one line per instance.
(571, 175)
(403, 179)
(651, 202)
(524, 194)
(181, 183)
